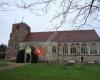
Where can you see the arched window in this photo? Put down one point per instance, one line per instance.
(65, 49)
(84, 49)
(73, 48)
(54, 49)
(93, 49)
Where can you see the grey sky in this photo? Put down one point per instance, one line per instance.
(37, 23)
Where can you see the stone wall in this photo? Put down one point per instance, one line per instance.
(59, 56)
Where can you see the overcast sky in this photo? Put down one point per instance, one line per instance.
(37, 23)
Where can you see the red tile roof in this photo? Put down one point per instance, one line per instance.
(64, 36)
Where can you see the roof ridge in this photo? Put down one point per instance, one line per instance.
(64, 31)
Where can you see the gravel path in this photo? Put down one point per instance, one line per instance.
(12, 65)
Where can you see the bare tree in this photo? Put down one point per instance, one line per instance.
(3, 5)
(79, 13)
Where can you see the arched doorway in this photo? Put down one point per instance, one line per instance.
(34, 58)
(82, 58)
(28, 58)
(20, 56)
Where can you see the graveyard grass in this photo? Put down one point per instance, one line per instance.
(52, 72)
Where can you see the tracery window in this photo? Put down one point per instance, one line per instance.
(93, 49)
(54, 49)
(73, 48)
(65, 49)
(84, 49)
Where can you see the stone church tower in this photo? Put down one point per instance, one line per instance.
(18, 34)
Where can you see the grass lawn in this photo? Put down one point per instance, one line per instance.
(2, 63)
(2, 60)
(52, 72)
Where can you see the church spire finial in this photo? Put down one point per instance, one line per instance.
(22, 18)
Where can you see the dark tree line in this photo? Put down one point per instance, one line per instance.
(3, 50)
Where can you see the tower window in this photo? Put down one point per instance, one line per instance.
(17, 27)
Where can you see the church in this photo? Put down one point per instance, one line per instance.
(55, 46)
